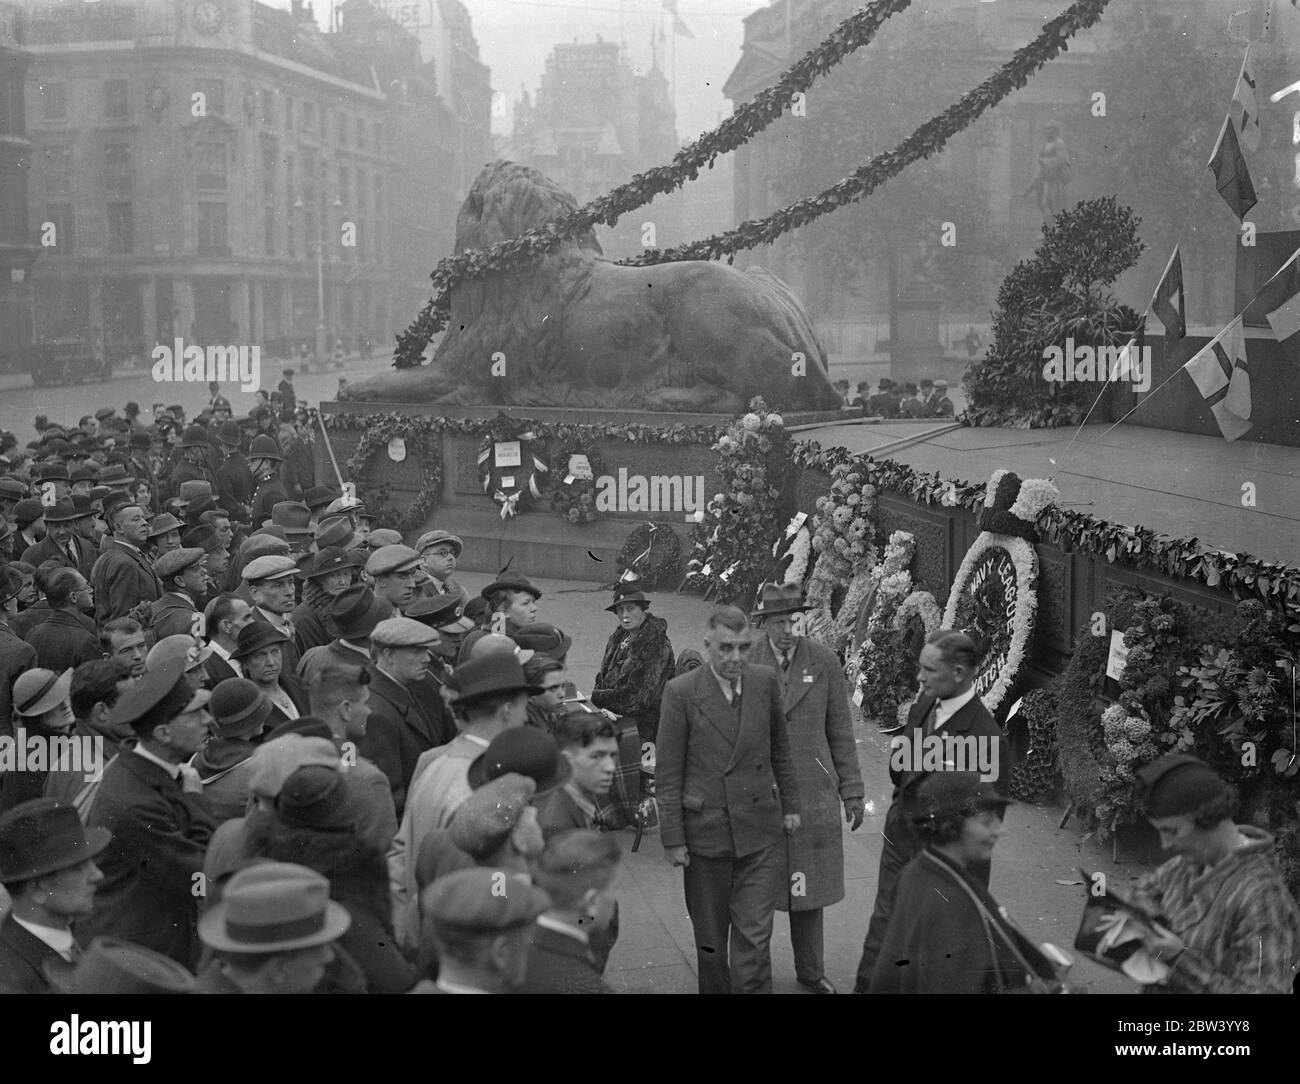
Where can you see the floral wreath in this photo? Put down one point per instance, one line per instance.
(510, 487)
(651, 556)
(378, 432)
(842, 541)
(1035, 777)
(793, 552)
(575, 498)
(881, 666)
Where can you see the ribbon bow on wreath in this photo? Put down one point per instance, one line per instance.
(509, 482)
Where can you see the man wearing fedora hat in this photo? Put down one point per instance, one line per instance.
(122, 577)
(637, 664)
(355, 613)
(728, 796)
(272, 932)
(151, 800)
(47, 865)
(111, 966)
(294, 517)
(824, 751)
(61, 541)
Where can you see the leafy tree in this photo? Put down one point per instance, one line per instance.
(1058, 292)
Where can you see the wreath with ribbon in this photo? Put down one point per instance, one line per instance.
(572, 497)
(651, 556)
(512, 487)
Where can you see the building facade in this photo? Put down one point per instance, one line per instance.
(18, 250)
(210, 168)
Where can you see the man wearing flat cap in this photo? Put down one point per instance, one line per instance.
(402, 724)
(1231, 925)
(440, 550)
(271, 584)
(184, 576)
(480, 934)
(394, 570)
(151, 800)
(48, 867)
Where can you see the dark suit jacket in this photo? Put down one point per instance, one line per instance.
(723, 795)
(160, 835)
(217, 670)
(16, 657)
(397, 733)
(46, 550)
(62, 641)
(122, 579)
(297, 694)
(559, 964)
(172, 614)
(21, 957)
(558, 812)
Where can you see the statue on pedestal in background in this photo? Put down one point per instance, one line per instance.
(1055, 172)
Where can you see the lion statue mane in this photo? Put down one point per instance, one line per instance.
(578, 330)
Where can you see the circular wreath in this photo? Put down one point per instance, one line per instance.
(575, 498)
(652, 554)
(523, 479)
(1035, 776)
(919, 604)
(424, 434)
(994, 598)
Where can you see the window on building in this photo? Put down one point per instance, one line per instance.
(288, 113)
(11, 97)
(270, 152)
(324, 122)
(343, 129)
(308, 116)
(54, 101)
(290, 234)
(65, 233)
(121, 228)
(212, 229)
(268, 230)
(361, 134)
(377, 144)
(214, 96)
(58, 170)
(345, 193)
(211, 166)
(115, 99)
(117, 167)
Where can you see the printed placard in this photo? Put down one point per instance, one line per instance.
(580, 467)
(508, 454)
(1118, 655)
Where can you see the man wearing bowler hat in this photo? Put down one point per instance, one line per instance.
(815, 699)
(47, 865)
(728, 797)
(440, 550)
(151, 800)
(272, 932)
(402, 724)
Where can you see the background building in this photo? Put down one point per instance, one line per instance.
(17, 247)
(211, 167)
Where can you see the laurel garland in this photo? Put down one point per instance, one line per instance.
(376, 432)
(1035, 777)
(926, 141)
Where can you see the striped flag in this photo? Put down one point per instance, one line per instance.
(1280, 299)
(1245, 107)
(1168, 302)
(1221, 375)
(1231, 177)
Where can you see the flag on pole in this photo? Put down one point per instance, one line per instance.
(1221, 375)
(1280, 299)
(1245, 107)
(1126, 366)
(1168, 302)
(679, 27)
(1231, 177)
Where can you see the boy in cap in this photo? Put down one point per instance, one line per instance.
(511, 604)
(440, 550)
(479, 933)
(48, 868)
(272, 932)
(183, 574)
(151, 800)
(394, 569)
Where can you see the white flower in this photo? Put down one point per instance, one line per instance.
(775, 420)
(750, 421)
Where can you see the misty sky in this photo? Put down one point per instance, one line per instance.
(515, 37)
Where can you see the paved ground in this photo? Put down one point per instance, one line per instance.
(1178, 483)
(655, 952)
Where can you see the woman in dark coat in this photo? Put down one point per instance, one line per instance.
(947, 935)
(638, 663)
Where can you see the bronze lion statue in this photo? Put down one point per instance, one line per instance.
(578, 330)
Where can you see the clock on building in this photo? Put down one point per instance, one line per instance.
(207, 16)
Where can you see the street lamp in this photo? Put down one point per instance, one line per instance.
(320, 278)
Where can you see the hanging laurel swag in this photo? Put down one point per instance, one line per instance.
(422, 436)
(508, 466)
(517, 252)
(575, 468)
(651, 557)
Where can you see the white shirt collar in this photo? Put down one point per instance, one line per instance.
(279, 621)
(174, 770)
(948, 708)
(725, 685)
(554, 924)
(59, 940)
(475, 738)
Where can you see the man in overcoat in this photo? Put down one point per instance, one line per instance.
(815, 697)
(122, 577)
(727, 799)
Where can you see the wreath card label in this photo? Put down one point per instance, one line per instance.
(580, 468)
(507, 453)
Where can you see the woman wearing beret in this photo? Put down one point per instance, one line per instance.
(637, 664)
(1232, 926)
(946, 934)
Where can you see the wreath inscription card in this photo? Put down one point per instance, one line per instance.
(507, 454)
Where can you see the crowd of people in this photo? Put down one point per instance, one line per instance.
(927, 399)
(285, 752)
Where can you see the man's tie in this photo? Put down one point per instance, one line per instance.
(735, 692)
(785, 661)
(931, 720)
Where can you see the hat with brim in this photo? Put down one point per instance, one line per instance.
(239, 708)
(323, 562)
(294, 517)
(943, 794)
(43, 836)
(543, 638)
(255, 636)
(357, 610)
(510, 583)
(63, 511)
(623, 597)
(775, 599)
(37, 691)
(437, 538)
(180, 647)
(319, 497)
(273, 907)
(162, 523)
(111, 966)
(525, 750)
(495, 643)
(335, 532)
(344, 506)
(495, 674)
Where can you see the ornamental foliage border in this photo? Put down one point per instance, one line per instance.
(927, 140)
